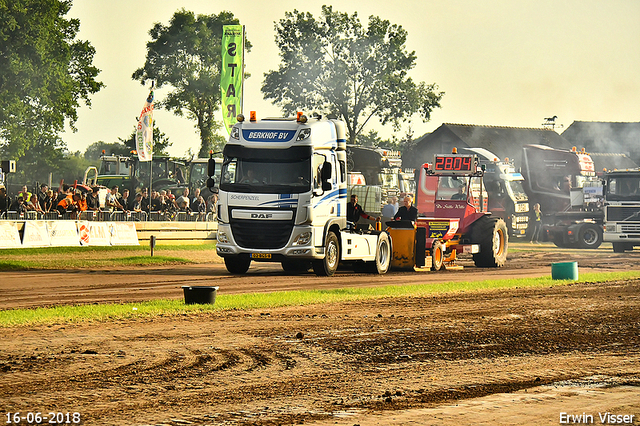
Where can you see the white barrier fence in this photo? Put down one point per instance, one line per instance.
(66, 233)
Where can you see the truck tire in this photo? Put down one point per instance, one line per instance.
(238, 264)
(383, 254)
(327, 267)
(437, 256)
(296, 266)
(492, 236)
(589, 236)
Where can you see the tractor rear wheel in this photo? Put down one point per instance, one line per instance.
(492, 236)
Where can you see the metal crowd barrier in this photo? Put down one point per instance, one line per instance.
(116, 216)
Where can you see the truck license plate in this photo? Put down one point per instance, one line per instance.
(261, 255)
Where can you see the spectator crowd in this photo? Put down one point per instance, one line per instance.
(70, 201)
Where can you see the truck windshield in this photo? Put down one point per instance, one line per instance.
(266, 171)
(623, 188)
(515, 187)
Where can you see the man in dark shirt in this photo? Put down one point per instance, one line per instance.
(355, 212)
(42, 195)
(93, 202)
(5, 200)
(461, 194)
(407, 211)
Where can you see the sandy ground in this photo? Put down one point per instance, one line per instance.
(520, 356)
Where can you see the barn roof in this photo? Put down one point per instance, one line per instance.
(502, 141)
(599, 136)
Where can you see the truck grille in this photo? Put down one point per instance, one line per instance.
(623, 213)
(630, 229)
(261, 234)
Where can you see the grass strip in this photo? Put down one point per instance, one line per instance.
(109, 312)
(73, 263)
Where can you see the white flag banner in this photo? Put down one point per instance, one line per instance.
(144, 131)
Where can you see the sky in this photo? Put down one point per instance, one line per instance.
(500, 62)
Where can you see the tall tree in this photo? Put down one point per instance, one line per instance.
(334, 65)
(45, 73)
(186, 55)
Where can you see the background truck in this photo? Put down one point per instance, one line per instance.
(622, 209)
(453, 203)
(565, 185)
(507, 198)
(168, 173)
(283, 198)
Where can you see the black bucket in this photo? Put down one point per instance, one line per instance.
(199, 294)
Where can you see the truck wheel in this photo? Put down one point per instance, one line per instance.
(383, 254)
(437, 256)
(327, 267)
(491, 234)
(237, 264)
(296, 266)
(590, 236)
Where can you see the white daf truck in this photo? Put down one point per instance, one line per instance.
(283, 198)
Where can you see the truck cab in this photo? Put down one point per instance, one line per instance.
(565, 185)
(283, 198)
(507, 198)
(622, 209)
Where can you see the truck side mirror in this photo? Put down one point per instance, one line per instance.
(211, 183)
(211, 167)
(326, 176)
(326, 171)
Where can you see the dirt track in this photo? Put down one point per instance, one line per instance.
(520, 356)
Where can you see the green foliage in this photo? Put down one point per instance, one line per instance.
(336, 66)
(94, 151)
(44, 74)
(186, 55)
(49, 156)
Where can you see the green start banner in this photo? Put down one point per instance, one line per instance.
(232, 73)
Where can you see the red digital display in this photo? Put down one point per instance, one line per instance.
(453, 163)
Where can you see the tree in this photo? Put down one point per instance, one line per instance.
(94, 151)
(187, 56)
(44, 73)
(48, 159)
(336, 66)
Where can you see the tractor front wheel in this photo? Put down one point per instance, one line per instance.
(437, 256)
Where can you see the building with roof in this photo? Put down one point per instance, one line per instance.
(605, 137)
(502, 141)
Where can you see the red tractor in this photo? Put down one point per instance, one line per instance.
(452, 205)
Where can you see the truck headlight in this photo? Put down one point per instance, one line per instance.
(303, 134)
(235, 133)
(222, 237)
(302, 239)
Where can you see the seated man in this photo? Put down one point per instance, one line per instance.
(250, 178)
(408, 211)
(461, 194)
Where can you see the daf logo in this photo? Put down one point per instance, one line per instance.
(261, 215)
